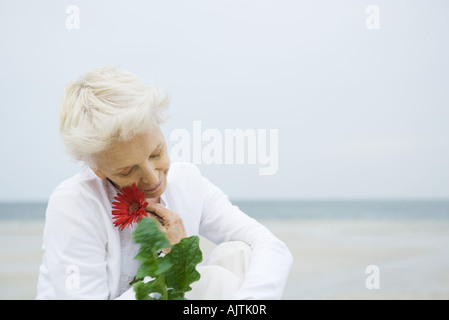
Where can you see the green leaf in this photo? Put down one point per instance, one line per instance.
(184, 256)
(172, 274)
(143, 290)
(150, 238)
(153, 268)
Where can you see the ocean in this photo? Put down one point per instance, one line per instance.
(290, 209)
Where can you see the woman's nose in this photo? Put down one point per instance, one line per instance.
(150, 175)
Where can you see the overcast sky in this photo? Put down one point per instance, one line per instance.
(355, 98)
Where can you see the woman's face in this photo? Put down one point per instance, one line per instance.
(143, 160)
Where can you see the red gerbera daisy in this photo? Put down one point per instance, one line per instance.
(129, 207)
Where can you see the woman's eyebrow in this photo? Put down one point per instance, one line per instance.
(157, 147)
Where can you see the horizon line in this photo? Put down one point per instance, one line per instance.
(251, 199)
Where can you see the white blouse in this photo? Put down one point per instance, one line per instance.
(86, 257)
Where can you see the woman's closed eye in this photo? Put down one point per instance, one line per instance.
(126, 173)
(156, 152)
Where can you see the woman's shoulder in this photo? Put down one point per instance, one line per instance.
(84, 189)
(78, 210)
(84, 181)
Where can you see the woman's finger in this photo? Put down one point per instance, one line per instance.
(164, 215)
(171, 222)
(154, 217)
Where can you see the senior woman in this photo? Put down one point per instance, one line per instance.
(110, 120)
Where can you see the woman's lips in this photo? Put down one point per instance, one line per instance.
(155, 188)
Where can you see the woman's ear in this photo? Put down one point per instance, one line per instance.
(98, 173)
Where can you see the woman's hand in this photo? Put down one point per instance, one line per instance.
(170, 222)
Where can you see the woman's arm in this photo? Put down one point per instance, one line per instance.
(75, 242)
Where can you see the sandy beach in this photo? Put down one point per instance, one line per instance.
(330, 258)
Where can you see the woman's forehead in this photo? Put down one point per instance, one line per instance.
(123, 154)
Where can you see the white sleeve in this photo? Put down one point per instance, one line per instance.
(270, 259)
(75, 245)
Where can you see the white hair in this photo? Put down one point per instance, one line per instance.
(107, 105)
